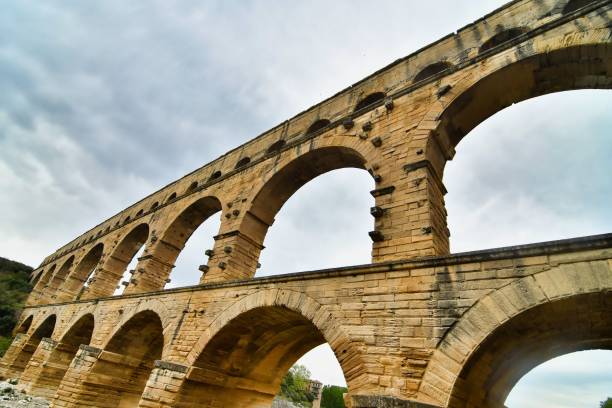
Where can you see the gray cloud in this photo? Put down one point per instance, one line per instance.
(104, 102)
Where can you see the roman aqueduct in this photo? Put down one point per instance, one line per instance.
(418, 327)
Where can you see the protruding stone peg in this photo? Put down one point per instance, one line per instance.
(168, 280)
(444, 90)
(367, 126)
(389, 104)
(203, 268)
(377, 141)
(348, 123)
(427, 230)
(222, 265)
(376, 236)
(377, 212)
(209, 252)
(227, 249)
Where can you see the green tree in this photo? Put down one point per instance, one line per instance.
(606, 404)
(332, 396)
(14, 289)
(294, 386)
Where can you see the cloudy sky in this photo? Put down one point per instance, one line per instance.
(103, 103)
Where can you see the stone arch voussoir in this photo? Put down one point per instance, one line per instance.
(319, 315)
(492, 311)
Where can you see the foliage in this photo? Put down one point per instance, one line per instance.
(332, 396)
(14, 289)
(294, 386)
(606, 404)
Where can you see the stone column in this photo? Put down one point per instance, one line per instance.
(150, 275)
(47, 368)
(7, 364)
(163, 385)
(235, 256)
(100, 379)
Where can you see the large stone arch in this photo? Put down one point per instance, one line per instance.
(151, 306)
(266, 332)
(108, 275)
(553, 62)
(283, 178)
(528, 321)
(154, 268)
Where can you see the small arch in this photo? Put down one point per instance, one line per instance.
(24, 327)
(116, 264)
(574, 5)
(45, 329)
(45, 277)
(172, 197)
(502, 37)
(243, 162)
(192, 187)
(105, 231)
(215, 175)
(276, 146)
(140, 212)
(317, 125)
(176, 235)
(60, 276)
(83, 271)
(371, 99)
(432, 70)
(154, 205)
(127, 219)
(117, 224)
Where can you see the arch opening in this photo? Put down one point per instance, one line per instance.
(25, 326)
(576, 68)
(121, 372)
(291, 178)
(574, 5)
(59, 278)
(175, 238)
(244, 362)
(371, 99)
(432, 70)
(317, 125)
(79, 279)
(577, 323)
(53, 370)
(105, 279)
(502, 37)
(45, 329)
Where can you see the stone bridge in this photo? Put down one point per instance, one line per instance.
(418, 327)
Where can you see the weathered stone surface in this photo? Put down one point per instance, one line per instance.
(417, 326)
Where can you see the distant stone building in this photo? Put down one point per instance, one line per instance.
(315, 387)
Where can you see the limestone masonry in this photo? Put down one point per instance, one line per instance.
(416, 328)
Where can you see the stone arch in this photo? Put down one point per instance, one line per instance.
(43, 378)
(44, 329)
(534, 69)
(161, 255)
(266, 201)
(370, 99)
(60, 277)
(573, 5)
(317, 125)
(109, 274)
(45, 278)
(529, 321)
(25, 325)
(83, 271)
(501, 37)
(242, 356)
(120, 372)
(431, 70)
